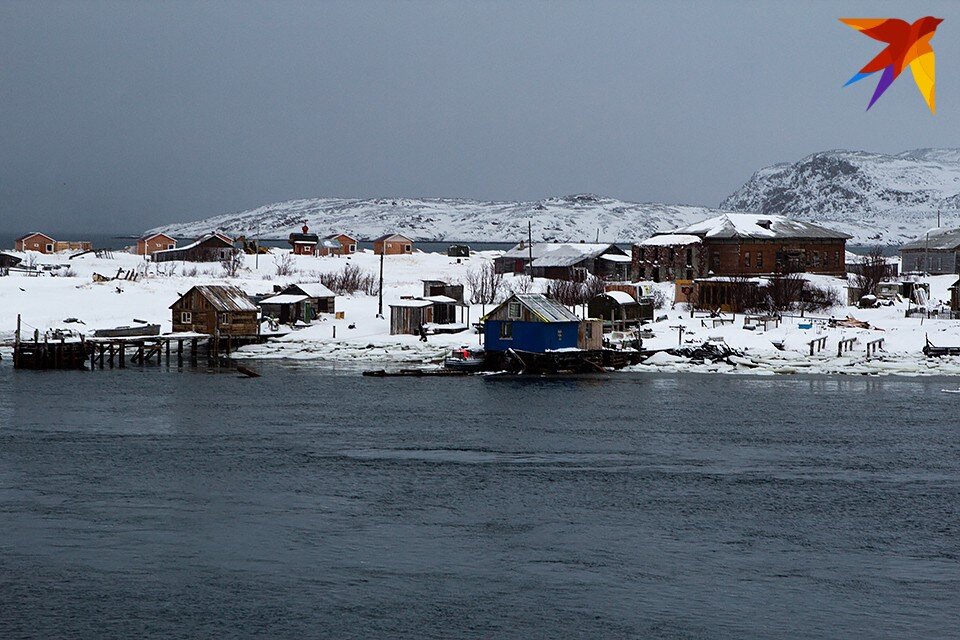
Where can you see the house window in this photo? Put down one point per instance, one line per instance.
(224, 318)
(49, 248)
(407, 248)
(170, 246)
(506, 331)
(746, 259)
(513, 310)
(836, 258)
(689, 257)
(351, 248)
(186, 317)
(815, 259)
(588, 331)
(715, 262)
(579, 274)
(759, 259)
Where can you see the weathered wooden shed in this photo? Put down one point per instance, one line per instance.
(216, 310)
(442, 288)
(7, 260)
(320, 299)
(408, 315)
(287, 308)
(212, 247)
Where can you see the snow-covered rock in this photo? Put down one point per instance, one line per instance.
(876, 198)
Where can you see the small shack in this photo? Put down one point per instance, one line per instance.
(955, 296)
(408, 315)
(150, 244)
(287, 308)
(320, 299)
(442, 288)
(619, 309)
(216, 310)
(530, 322)
(392, 244)
(727, 294)
(7, 260)
(212, 247)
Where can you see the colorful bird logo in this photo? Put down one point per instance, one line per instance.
(907, 44)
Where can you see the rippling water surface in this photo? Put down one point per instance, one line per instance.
(316, 503)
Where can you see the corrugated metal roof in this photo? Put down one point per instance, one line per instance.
(544, 308)
(566, 255)
(936, 239)
(224, 297)
(755, 225)
(199, 241)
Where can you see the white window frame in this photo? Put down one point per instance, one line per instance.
(186, 317)
(408, 248)
(351, 248)
(506, 331)
(49, 248)
(513, 310)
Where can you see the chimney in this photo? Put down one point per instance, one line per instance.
(304, 227)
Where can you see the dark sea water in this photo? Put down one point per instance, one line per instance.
(316, 503)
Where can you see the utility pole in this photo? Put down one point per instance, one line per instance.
(380, 294)
(530, 247)
(926, 254)
(256, 259)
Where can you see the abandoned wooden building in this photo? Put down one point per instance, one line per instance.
(741, 244)
(150, 244)
(442, 288)
(936, 252)
(392, 244)
(212, 247)
(408, 316)
(216, 310)
(7, 261)
(319, 297)
(619, 309)
(565, 261)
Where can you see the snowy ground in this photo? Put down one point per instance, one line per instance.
(45, 302)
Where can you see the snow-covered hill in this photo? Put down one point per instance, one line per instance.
(877, 198)
(569, 218)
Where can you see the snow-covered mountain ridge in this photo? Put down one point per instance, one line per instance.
(568, 218)
(875, 197)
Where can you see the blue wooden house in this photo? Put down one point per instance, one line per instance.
(530, 322)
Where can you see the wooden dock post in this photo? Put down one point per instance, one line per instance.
(123, 355)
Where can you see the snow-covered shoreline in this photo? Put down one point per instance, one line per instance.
(47, 301)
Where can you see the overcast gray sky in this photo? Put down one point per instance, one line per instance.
(124, 115)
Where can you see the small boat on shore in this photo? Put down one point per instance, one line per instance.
(128, 332)
(465, 359)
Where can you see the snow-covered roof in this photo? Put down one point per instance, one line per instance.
(411, 303)
(615, 257)
(198, 242)
(284, 298)
(34, 233)
(224, 298)
(391, 236)
(620, 297)
(759, 226)
(446, 299)
(936, 239)
(312, 289)
(671, 240)
(565, 255)
(538, 249)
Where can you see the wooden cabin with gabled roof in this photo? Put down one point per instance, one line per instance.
(393, 244)
(216, 310)
(150, 244)
(212, 247)
(36, 241)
